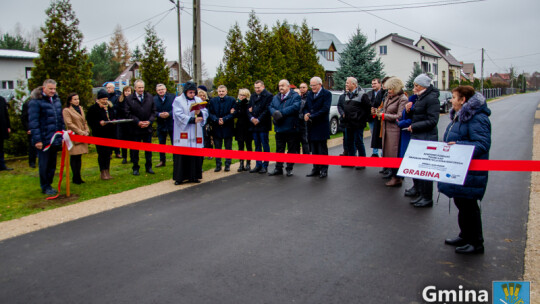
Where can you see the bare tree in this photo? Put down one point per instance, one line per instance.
(187, 63)
(120, 48)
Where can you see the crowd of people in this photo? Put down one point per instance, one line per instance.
(300, 117)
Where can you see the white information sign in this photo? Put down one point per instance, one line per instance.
(436, 161)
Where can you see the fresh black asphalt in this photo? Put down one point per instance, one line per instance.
(250, 238)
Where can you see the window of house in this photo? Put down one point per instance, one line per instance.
(330, 56)
(423, 48)
(435, 69)
(28, 72)
(137, 73)
(425, 67)
(383, 50)
(7, 84)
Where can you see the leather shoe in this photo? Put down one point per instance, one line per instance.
(176, 183)
(412, 192)
(150, 171)
(416, 200)
(217, 169)
(6, 169)
(323, 175)
(50, 191)
(313, 173)
(276, 172)
(135, 172)
(455, 242)
(227, 168)
(470, 249)
(255, 170)
(394, 182)
(263, 170)
(289, 173)
(161, 164)
(424, 203)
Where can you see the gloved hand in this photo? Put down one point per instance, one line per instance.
(277, 115)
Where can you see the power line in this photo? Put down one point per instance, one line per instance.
(159, 21)
(215, 27)
(132, 26)
(399, 25)
(521, 56)
(492, 61)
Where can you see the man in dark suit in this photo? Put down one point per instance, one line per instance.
(221, 115)
(163, 102)
(140, 107)
(376, 98)
(261, 123)
(32, 151)
(5, 129)
(317, 111)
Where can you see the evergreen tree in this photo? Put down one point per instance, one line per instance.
(17, 42)
(417, 70)
(136, 55)
(257, 52)
(61, 56)
(308, 63)
(17, 144)
(154, 65)
(120, 49)
(234, 74)
(357, 60)
(104, 68)
(284, 55)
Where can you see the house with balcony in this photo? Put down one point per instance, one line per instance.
(328, 49)
(449, 69)
(399, 54)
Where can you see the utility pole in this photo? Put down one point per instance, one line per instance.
(177, 4)
(197, 70)
(482, 74)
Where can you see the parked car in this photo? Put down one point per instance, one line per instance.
(334, 114)
(445, 98)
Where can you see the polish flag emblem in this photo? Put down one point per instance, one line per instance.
(431, 148)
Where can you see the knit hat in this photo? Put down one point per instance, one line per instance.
(102, 94)
(423, 80)
(202, 87)
(190, 86)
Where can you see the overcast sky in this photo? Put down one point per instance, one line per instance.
(508, 30)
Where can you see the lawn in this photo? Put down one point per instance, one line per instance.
(21, 194)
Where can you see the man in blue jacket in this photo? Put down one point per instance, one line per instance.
(221, 116)
(163, 102)
(284, 110)
(44, 119)
(317, 113)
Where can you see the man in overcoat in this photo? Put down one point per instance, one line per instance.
(164, 102)
(261, 123)
(140, 107)
(284, 110)
(221, 112)
(317, 113)
(425, 116)
(5, 129)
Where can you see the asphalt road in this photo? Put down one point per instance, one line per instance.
(258, 239)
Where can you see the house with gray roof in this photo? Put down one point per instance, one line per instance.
(15, 68)
(328, 49)
(449, 67)
(399, 54)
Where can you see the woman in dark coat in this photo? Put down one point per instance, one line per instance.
(242, 133)
(123, 129)
(98, 115)
(470, 126)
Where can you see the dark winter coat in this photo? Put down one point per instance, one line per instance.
(164, 124)
(426, 115)
(241, 130)
(319, 109)
(470, 126)
(95, 115)
(4, 119)
(375, 101)
(24, 115)
(113, 98)
(45, 118)
(145, 111)
(357, 109)
(259, 109)
(341, 109)
(405, 122)
(221, 108)
(288, 107)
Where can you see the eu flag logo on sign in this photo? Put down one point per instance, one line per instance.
(508, 292)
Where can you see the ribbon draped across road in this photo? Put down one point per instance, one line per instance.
(387, 162)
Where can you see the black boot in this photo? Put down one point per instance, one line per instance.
(248, 165)
(241, 168)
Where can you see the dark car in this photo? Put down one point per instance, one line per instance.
(445, 98)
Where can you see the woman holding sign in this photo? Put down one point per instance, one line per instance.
(470, 126)
(189, 116)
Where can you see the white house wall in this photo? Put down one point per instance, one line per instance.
(399, 60)
(14, 69)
